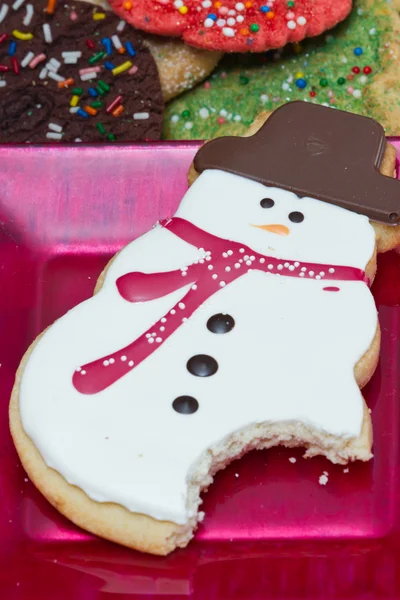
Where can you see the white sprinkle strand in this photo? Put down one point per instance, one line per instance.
(43, 73)
(121, 26)
(17, 4)
(2, 83)
(68, 53)
(29, 14)
(55, 127)
(53, 136)
(74, 109)
(141, 116)
(56, 77)
(3, 12)
(48, 38)
(116, 41)
(88, 76)
(27, 59)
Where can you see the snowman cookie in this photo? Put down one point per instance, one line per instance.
(244, 321)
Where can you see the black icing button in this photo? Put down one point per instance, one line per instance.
(220, 323)
(185, 405)
(202, 365)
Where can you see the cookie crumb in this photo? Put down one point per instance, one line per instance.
(292, 459)
(323, 479)
(346, 470)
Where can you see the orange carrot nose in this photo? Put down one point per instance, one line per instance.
(279, 229)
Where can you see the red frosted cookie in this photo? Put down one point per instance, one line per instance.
(232, 26)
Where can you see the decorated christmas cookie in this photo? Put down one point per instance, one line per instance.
(244, 321)
(233, 26)
(74, 72)
(354, 67)
(180, 66)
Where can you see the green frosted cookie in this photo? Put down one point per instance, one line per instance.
(354, 67)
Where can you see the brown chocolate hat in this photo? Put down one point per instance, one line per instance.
(314, 151)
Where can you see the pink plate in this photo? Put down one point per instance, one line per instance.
(271, 530)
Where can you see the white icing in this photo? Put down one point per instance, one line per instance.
(290, 356)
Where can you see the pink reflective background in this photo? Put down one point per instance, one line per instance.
(271, 530)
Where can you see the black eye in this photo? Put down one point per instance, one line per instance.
(267, 203)
(296, 217)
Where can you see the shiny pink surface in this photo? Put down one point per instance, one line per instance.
(271, 531)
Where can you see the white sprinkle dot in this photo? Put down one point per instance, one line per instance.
(112, 361)
(227, 269)
(173, 311)
(181, 305)
(106, 363)
(151, 340)
(162, 328)
(194, 287)
(210, 267)
(237, 265)
(301, 20)
(270, 267)
(331, 270)
(204, 113)
(131, 363)
(262, 260)
(323, 479)
(311, 273)
(222, 283)
(123, 358)
(280, 267)
(83, 372)
(174, 118)
(215, 276)
(292, 459)
(163, 320)
(158, 340)
(291, 24)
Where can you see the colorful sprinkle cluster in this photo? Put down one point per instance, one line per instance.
(229, 25)
(72, 63)
(333, 70)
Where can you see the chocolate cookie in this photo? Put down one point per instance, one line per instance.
(73, 72)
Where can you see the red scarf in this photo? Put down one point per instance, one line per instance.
(224, 262)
